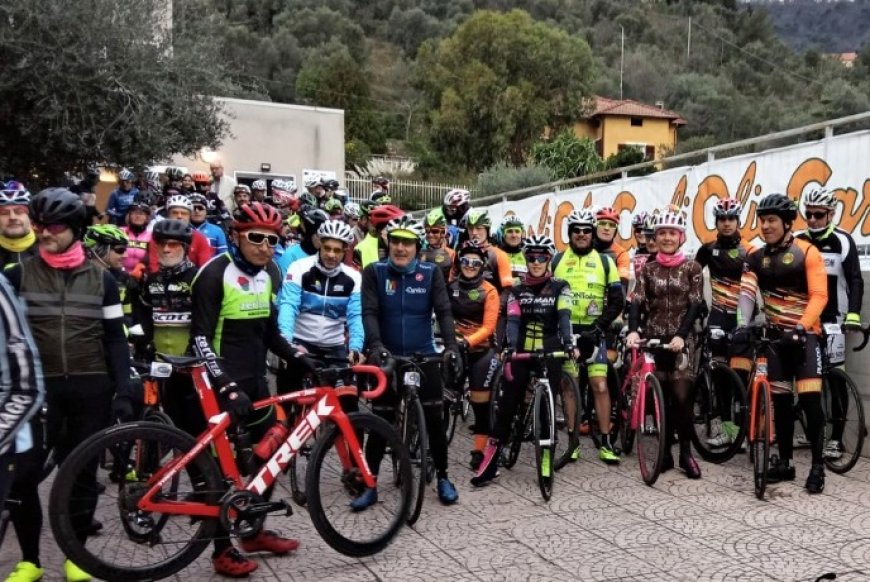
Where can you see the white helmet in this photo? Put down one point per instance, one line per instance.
(312, 182)
(258, 185)
(352, 210)
(337, 230)
(670, 217)
(581, 217)
(539, 244)
(126, 175)
(457, 197)
(820, 197)
(179, 201)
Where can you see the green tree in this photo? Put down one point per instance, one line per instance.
(497, 82)
(567, 155)
(98, 81)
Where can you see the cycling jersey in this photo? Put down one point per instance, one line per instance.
(671, 298)
(199, 253)
(316, 306)
(620, 257)
(843, 268)
(496, 268)
(475, 307)
(215, 235)
(165, 306)
(595, 285)
(398, 306)
(793, 284)
(539, 315)
(725, 258)
(137, 248)
(292, 254)
(442, 257)
(517, 262)
(118, 204)
(369, 250)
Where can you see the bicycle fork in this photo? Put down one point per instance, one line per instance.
(544, 385)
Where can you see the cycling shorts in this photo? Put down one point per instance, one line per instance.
(482, 366)
(801, 364)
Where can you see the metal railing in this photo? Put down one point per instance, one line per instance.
(409, 195)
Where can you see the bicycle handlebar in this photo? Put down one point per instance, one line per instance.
(378, 374)
(865, 331)
(526, 356)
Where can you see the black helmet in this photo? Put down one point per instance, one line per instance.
(171, 229)
(59, 206)
(779, 205)
(331, 184)
(175, 173)
(312, 218)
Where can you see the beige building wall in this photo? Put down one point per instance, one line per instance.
(615, 130)
(290, 138)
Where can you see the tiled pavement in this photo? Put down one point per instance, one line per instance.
(603, 523)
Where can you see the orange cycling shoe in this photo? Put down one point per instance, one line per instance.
(269, 541)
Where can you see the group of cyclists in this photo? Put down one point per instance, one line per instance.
(238, 275)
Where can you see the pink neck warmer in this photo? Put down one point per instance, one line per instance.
(69, 259)
(674, 260)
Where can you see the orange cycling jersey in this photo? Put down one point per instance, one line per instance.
(622, 259)
(475, 306)
(793, 283)
(496, 269)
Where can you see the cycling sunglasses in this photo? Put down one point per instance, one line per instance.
(51, 228)
(537, 258)
(258, 238)
(581, 230)
(607, 224)
(172, 244)
(514, 230)
(818, 215)
(119, 250)
(435, 230)
(473, 263)
(199, 208)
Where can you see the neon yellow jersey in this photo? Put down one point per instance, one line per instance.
(589, 278)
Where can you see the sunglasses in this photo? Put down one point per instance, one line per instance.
(51, 228)
(258, 238)
(638, 231)
(537, 258)
(513, 231)
(818, 215)
(119, 250)
(581, 230)
(199, 208)
(435, 231)
(171, 244)
(473, 263)
(610, 225)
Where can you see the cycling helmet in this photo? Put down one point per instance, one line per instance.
(107, 235)
(435, 218)
(476, 218)
(140, 204)
(471, 247)
(380, 197)
(581, 217)
(151, 176)
(258, 185)
(366, 207)
(336, 229)
(284, 197)
(822, 198)
(381, 181)
(312, 182)
(352, 211)
(407, 227)
(179, 201)
(257, 215)
(14, 194)
(457, 197)
(728, 208)
(175, 173)
(333, 206)
(172, 229)
(126, 176)
(382, 215)
(308, 198)
(149, 198)
(606, 213)
(242, 188)
(312, 217)
(779, 205)
(538, 244)
(670, 217)
(197, 198)
(200, 177)
(59, 206)
(331, 185)
(639, 219)
(511, 221)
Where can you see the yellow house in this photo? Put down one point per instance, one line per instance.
(615, 124)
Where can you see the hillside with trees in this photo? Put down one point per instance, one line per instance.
(832, 26)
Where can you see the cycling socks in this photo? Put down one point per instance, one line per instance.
(811, 404)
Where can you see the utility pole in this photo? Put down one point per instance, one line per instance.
(621, 61)
(689, 41)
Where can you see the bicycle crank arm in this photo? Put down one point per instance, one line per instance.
(260, 509)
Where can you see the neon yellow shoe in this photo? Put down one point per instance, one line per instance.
(25, 572)
(74, 573)
(608, 455)
(546, 468)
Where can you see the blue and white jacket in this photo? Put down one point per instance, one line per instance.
(316, 307)
(217, 239)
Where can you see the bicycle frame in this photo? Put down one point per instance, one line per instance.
(639, 368)
(322, 404)
(760, 382)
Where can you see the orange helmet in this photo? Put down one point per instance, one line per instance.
(383, 214)
(201, 177)
(606, 213)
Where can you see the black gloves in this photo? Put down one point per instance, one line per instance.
(452, 362)
(122, 408)
(741, 336)
(234, 401)
(378, 356)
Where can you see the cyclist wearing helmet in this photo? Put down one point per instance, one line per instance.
(598, 301)
(106, 245)
(352, 213)
(606, 228)
(363, 224)
(790, 275)
(121, 198)
(17, 239)
(380, 197)
(258, 190)
(201, 182)
(74, 310)
(374, 247)
(497, 270)
(436, 250)
(188, 186)
(475, 306)
(381, 183)
(334, 208)
(175, 177)
(640, 254)
(539, 319)
(400, 295)
(233, 323)
(241, 195)
(669, 296)
(511, 242)
(217, 240)
(456, 204)
(320, 303)
(310, 219)
(138, 237)
(178, 207)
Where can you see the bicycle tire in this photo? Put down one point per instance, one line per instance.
(319, 518)
(544, 429)
(451, 415)
(416, 439)
(852, 447)
(653, 425)
(518, 434)
(297, 475)
(760, 445)
(208, 479)
(708, 412)
(623, 414)
(568, 390)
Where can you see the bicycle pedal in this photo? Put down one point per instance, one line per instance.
(257, 509)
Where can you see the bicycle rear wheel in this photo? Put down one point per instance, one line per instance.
(521, 427)
(845, 422)
(452, 411)
(366, 532)
(567, 421)
(760, 445)
(544, 435)
(652, 438)
(133, 544)
(719, 414)
(623, 415)
(416, 440)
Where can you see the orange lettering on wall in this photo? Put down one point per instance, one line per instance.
(744, 189)
(563, 210)
(711, 187)
(679, 197)
(852, 216)
(625, 201)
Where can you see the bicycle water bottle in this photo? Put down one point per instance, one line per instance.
(244, 452)
(271, 441)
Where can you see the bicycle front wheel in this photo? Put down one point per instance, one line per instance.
(760, 445)
(652, 438)
(719, 414)
(544, 435)
(416, 441)
(845, 429)
(133, 544)
(365, 532)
